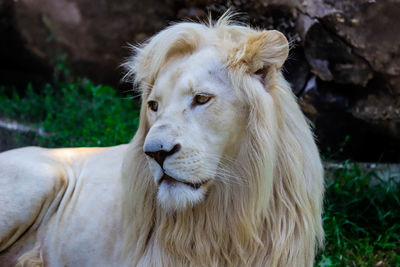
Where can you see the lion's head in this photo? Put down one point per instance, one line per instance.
(223, 169)
(196, 121)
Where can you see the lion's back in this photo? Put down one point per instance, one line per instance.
(48, 196)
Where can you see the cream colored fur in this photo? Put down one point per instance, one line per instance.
(272, 217)
(261, 203)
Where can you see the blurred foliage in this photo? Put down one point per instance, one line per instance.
(361, 219)
(76, 113)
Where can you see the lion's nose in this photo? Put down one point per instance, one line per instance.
(161, 155)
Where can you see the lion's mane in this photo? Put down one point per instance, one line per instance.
(271, 218)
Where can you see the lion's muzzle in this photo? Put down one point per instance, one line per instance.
(159, 154)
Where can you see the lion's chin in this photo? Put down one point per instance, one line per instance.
(178, 196)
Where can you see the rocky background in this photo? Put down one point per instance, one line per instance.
(344, 64)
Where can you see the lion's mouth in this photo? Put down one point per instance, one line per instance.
(172, 181)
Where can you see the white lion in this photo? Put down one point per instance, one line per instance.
(223, 170)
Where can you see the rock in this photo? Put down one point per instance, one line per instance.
(353, 48)
(381, 110)
(350, 125)
(296, 70)
(191, 12)
(94, 34)
(332, 59)
(365, 32)
(372, 28)
(18, 65)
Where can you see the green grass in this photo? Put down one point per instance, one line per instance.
(76, 113)
(361, 219)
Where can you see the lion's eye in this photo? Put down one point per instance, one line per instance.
(153, 105)
(201, 99)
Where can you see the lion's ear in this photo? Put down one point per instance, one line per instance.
(261, 50)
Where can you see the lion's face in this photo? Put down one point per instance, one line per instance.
(196, 119)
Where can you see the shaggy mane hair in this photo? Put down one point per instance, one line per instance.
(272, 216)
